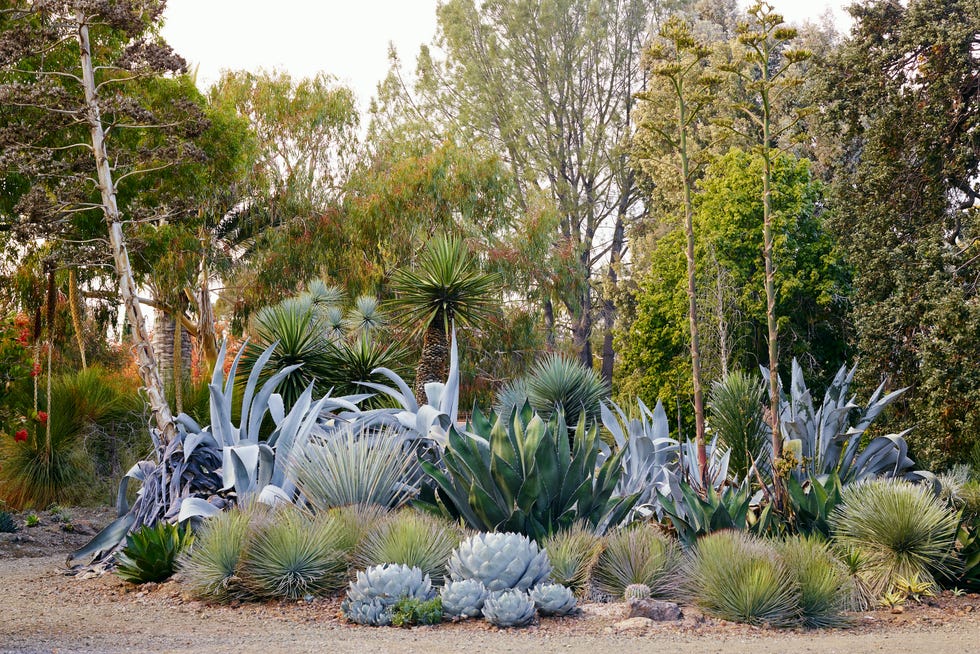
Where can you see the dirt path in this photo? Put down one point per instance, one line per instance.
(42, 610)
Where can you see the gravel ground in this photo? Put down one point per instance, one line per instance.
(43, 609)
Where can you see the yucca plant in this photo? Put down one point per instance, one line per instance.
(735, 576)
(351, 362)
(151, 552)
(556, 383)
(822, 580)
(356, 522)
(902, 529)
(735, 407)
(369, 467)
(573, 553)
(446, 289)
(639, 554)
(291, 556)
(410, 538)
(862, 596)
(210, 567)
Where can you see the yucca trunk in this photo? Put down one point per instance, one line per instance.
(434, 363)
(76, 317)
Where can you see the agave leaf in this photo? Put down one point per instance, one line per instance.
(196, 507)
(253, 381)
(261, 402)
(105, 541)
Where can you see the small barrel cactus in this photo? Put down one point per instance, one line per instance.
(511, 608)
(636, 591)
(374, 613)
(464, 599)
(389, 583)
(553, 599)
(501, 561)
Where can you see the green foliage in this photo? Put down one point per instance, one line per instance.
(811, 282)
(410, 538)
(151, 553)
(353, 468)
(639, 554)
(693, 516)
(7, 524)
(290, 556)
(356, 521)
(210, 567)
(32, 520)
(967, 573)
(901, 529)
(812, 503)
(734, 576)
(573, 553)
(524, 476)
(556, 383)
(894, 126)
(636, 591)
(736, 415)
(410, 611)
(822, 581)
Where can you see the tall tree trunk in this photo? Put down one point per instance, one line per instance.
(549, 324)
(76, 318)
(207, 340)
(609, 303)
(434, 363)
(127, 285)
(178, 368)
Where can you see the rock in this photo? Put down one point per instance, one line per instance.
(15, 537)
(633, 624)
(898, 608)
(652, 609)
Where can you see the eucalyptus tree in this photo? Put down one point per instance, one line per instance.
(66, 68)
(549, 86)
(764, 67)
(681, 91)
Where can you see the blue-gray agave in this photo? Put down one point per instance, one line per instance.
(373, 613)
(511, 608)
(501, 561)
(553, 599)
(389, 583)
(464, 599)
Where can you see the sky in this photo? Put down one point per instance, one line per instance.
(347, 39)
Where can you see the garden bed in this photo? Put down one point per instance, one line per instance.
(44, 609)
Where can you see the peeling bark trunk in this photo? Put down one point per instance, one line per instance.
(127, 285)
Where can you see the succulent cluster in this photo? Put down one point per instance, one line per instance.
(151, 553)
(372, 596)
(511, 608)
(464, 598)
(7, 524)
(552, 599)
(500, 561)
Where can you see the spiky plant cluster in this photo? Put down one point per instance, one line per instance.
(500, 561)
(151, 553)
(410, 538)
(259, 552)
(511, 608)
(636, 592)
(736, 415)
(556, 383)
(7, 524)
(356, 521)
(464, 599)
(823, 582)
(734, 576)
(348, 467)
(640, 554)
(901, 529)
(372, 596)
(292, 556)
(573, 553)
(553, 599)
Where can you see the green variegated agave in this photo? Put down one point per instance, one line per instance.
(151, 552)
(524, 476)
(500, 561)
(511, 608)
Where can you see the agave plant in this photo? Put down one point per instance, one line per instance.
(813, 503)
(553, 599)
(829, 438)
(151, 552)
(694, 516)
(524, 476)
(500, 561)
(464, 598)
(510, 608)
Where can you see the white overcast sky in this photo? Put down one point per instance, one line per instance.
(345, 38)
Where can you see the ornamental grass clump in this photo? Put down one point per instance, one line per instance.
(825, 588)
(573, 553)
(356, 521)
(640, 554)
(734, 576)
(210, 566)
(410, 538)
(292, 556)
(901, 529)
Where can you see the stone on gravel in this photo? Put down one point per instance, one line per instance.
(652, 609)
(633, 624)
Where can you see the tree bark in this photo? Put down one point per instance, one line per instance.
(434, 364)
(127, 285)
(76, 318)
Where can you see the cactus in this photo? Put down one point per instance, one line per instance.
(553, 599)
(636, 591)
(464, 599)
(374, 613)
(510, 608)
(389, 583)
(501, 561)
